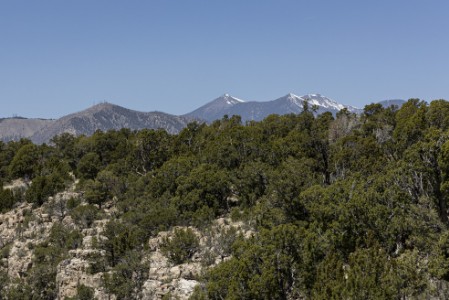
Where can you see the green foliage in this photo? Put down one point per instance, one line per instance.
(122, 238)
(224, 240)
(164, 179)
(127, 277)
(4, 280)
(95, 192)
(203, 194)
(43, 187)
(181, 247)
(65, 145)
(351, 207)
(7, 199)
(251, 182)
(7, 153)
(260, 269)
(438, 114)
(42, 276)
(19, 290)
(84, 215)
(152, 149)
(73, 202)
(64, 238)
(24, 162)
(89, 165)
(97, 263)
(83, 293)
(411, 122)
(4, 251)
(154, 217)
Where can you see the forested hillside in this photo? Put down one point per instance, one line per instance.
(351, 207)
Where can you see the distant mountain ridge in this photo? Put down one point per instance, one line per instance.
(13, 129)
(257, 111)
(215, 109)
(107, 116)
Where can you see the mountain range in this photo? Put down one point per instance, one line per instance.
(257, 111)
(106, 116)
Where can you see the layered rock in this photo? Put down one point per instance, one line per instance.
(24, 228)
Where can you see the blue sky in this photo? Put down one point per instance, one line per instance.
(58, 57)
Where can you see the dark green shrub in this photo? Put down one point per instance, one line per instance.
(72, 203)
(83, 293)
(7, 199)
(122, 238)
(181, 247)
(84, 215)
(89, 165)
(43, 187)
(127, 277)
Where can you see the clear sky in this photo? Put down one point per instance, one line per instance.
(59, 57)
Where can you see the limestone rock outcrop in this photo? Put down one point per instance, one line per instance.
(24, 228)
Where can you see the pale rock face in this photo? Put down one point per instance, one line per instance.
(17, 184)
(67, 271)
(186, 287)
(19, 261)
(73, 272)
(23, 228)
(167, 278)
(18, 229)
(149, 289)
(180, 280)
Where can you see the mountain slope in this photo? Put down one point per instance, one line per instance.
(216, 108)
(255, 110)
(13, 129)
(107, 116)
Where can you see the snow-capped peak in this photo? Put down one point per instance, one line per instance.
(231, 100)
(319, 100)
(295, 99)
(293, 96)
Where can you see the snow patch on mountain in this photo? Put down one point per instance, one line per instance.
(231, 100)
(296, 100)
(318, 100)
